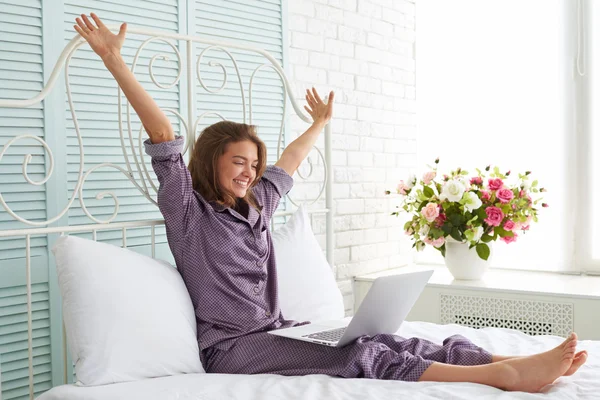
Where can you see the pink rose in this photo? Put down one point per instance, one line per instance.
(510, 226)
(401, 189)
(509, 239)
(504, 195)
(495, 216)
(428, 177)
(428, 240)
(485, 195)
(495, 183)
(438, 242)
(477, 180)
(430, 212)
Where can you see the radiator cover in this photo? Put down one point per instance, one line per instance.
(531, 317)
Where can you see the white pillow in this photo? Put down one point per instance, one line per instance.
(127, 316)
(307, 288)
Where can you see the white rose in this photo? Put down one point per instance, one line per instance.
(526, 185)
(452, 190)
(424, 231)
(472, 201)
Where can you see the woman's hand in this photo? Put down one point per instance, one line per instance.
(319, 111)
(100, 38)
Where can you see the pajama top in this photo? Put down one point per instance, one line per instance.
(225, 259)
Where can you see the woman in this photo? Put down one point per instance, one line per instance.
(216, 215)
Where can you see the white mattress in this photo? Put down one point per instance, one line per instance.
(585, 384)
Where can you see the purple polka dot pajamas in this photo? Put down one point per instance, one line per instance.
(228, 265)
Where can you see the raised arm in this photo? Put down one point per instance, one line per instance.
(297, 151)
(108, 46)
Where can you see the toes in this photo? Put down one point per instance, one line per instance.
(572, 338)
(581, 356)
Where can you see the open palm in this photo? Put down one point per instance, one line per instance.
(319, 110)
(99, 37)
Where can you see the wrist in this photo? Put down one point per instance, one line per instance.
(320, 123)
(112, 59)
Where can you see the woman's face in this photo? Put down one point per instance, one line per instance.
(237, 167)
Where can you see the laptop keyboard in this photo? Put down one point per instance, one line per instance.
(333, 335)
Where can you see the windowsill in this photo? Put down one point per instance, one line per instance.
(503, 280)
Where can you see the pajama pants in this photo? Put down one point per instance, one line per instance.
(376, 357)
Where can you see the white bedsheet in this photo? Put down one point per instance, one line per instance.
(585, 384)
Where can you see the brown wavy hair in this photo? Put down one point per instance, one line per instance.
(211, 145)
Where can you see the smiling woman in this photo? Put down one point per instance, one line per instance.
(227, 159)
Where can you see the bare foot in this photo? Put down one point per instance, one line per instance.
(531, 374)
(579, 359)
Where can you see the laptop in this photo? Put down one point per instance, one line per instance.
(383, 310)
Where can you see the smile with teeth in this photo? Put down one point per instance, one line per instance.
(241, 183)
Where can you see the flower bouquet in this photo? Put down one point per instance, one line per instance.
(473, 209)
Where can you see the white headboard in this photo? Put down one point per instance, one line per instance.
(136, 170)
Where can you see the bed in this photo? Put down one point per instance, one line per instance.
(584, 384)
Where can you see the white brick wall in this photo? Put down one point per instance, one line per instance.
(364, 51)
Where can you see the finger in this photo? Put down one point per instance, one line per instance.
(88, 23)
(310, 101)
(80, 31)
(330, 98)
(317, 97)
(97, 20)
(82, 25)
(330, 104)
(123, 29)
(309, 96)
(309, 110)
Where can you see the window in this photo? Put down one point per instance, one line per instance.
(497, 84)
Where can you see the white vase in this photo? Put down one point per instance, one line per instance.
(465, 263)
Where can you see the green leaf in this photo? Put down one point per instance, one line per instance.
(503, 233)
(436, 232)
(447, 227)
(483, 251)
(481, 213)
(442, 249)
(428, 192)
(407, 225)
(486, 238)
(456, 219)
(456, 235)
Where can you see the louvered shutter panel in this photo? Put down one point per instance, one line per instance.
(21, 77)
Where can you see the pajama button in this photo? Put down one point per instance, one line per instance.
(256, 290)
(258, 263)
(268, 313)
